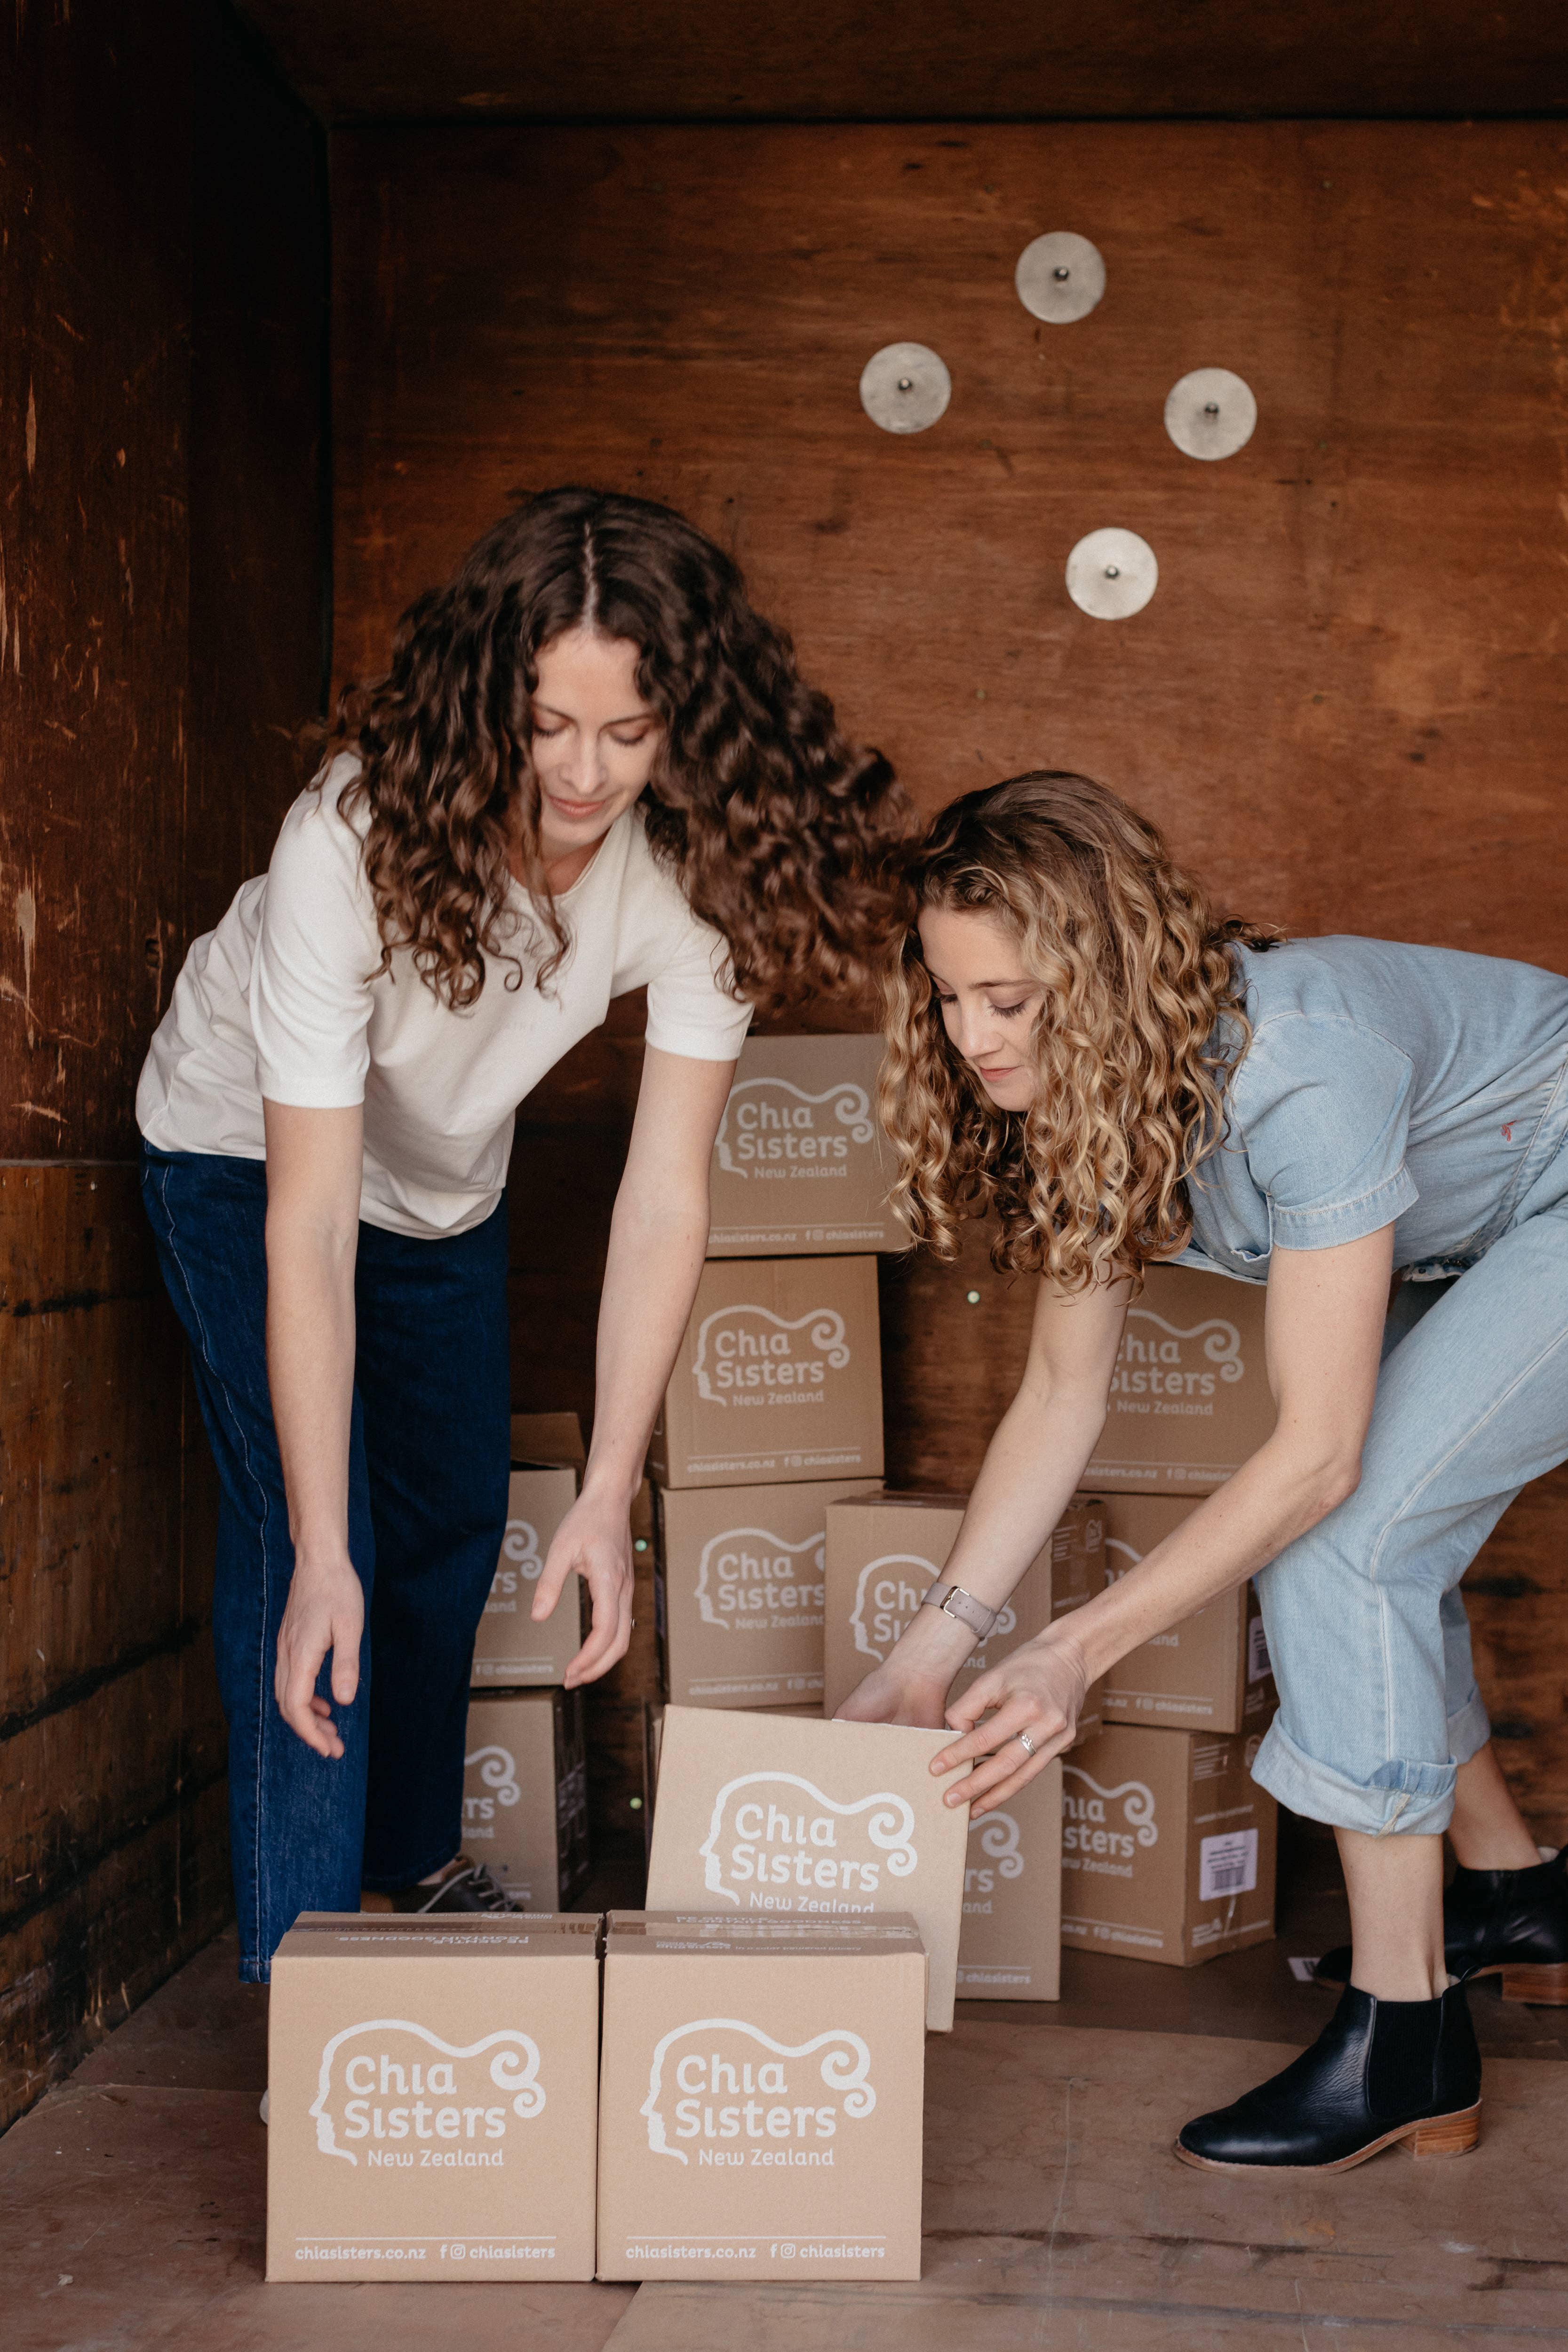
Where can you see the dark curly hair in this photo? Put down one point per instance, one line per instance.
(776, 827)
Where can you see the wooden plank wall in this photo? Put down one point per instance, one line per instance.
(1344, 703)
(160, 420)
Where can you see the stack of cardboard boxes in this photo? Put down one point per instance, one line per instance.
(774, 1407)
(1168, 1844)
(525, 1806)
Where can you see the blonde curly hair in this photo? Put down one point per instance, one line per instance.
(1142, 1021)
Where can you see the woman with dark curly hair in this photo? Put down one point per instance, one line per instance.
(592, 767)
(1079, 1048)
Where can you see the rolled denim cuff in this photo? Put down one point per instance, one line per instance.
(1469, 1730)
(1412, 1800)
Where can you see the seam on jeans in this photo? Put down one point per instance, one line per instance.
(1526, 1372)
(1383, 1827)
(263, 1934)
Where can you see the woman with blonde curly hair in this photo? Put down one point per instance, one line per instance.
(592, 767)
(1080, 1049)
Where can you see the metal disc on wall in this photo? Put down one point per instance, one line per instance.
(904, 388)
(1211, 412)
(1111, 574)
(1059, 278)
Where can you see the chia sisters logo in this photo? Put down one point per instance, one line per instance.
(746, 1347)
(733, 1578)
(389, 2088)
(1161, 1359)
(1088, 1825)
(722, 2079)
(778, 1844)
(770, 1123)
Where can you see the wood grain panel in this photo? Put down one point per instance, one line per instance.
(89, 1435)
(161, 596)
(1342, 701)
(667, 61)
(94, 419)
(71, 1973)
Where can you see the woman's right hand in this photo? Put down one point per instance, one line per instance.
(891, 1695)
(325, 1612)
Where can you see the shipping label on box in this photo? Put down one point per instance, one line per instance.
(799, 1167)
(433, 2095)
(1168, 1845)
(525, 1794)
(780, 1815)
(885, 1552)
(779, 1377)
(762, 2094)
(1190, 1399)
(741, 1591)
(508, 1646)
(1210, 1673)
(1010, 1943)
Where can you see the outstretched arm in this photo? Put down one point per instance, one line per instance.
(1032, 1465)
(658, 1237)
(1323, 1336)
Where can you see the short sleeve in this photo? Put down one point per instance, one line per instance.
(1321, 1108)
(318, 945)
(692, 1008)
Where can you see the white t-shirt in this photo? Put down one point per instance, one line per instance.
(278, 1001)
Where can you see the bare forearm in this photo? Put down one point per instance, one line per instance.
(1273, 1498)
(650, 1280)
(1032, 1469)
(309, 1365)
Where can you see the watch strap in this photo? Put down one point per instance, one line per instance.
(953, 1602)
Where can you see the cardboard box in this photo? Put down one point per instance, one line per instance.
(1010, 1943)
(886, 1551)
(525, 1794)
(509, 1647)
(779, 1377)
(433, 2090)
(741, 1593)
(799, 1166)
(761, 2099)
(1168, 1847)
(1190, 1399)
(1210, 1673)
(783, 1816)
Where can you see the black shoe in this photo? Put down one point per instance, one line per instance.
(1507, 1923)
(1380, 2071)
(468, 1886)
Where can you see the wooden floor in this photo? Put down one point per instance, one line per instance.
(132, 2199)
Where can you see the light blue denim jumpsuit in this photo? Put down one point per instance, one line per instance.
(1426, 1090)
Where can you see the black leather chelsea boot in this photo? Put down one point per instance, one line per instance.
(1511, 1924)
(1380, 2072)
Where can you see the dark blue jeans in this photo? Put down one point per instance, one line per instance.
(428, 1492)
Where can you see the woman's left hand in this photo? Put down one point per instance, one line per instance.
(594, 1541)
(1037, 1691)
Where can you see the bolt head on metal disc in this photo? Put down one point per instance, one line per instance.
(1059, 278)
(1111, 574)
(1211, 412)
(904, 388)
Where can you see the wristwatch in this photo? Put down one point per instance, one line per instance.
(953, 1602)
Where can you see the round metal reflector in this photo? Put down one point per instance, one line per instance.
(1059, 278)
(1111, 574)
(1211, 412)
(904, 388)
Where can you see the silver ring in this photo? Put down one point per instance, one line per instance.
(1025, 1743)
